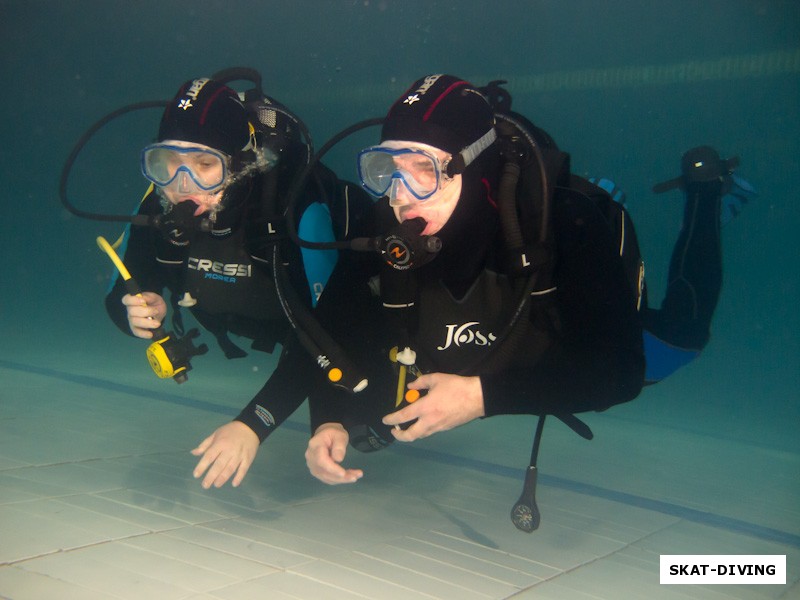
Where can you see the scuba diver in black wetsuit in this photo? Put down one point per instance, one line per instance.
(448, 293)
(212, 174)
(220, 172)
(475, 303)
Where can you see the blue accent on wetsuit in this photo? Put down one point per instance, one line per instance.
(616, 193)
(663, 359)
(316, 226)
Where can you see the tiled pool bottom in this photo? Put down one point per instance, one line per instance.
(97, 501)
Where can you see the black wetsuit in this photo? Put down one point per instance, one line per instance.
(587, 356)
(227, 271)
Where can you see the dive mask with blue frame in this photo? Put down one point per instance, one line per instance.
(380, 168)
(188, 169)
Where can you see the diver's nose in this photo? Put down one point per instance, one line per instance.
(184, 182)
(398, 193)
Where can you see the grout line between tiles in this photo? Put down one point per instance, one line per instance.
(576, 567)
(21, 561)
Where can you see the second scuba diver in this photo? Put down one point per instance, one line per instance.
(447, 314)
(436, 174)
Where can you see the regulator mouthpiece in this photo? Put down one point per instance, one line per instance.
(405, 248)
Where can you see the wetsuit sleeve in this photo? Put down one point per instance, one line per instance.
(346, 310)
(349, 311)
(139, 256)
(283, 393)
(297, 376)
(596, 358)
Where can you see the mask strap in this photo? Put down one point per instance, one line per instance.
(463, 159)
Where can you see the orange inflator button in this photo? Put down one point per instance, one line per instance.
(412, 396)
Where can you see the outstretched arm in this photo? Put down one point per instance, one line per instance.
(231, 449)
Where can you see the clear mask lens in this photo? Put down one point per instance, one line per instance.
(189, 169)
(379, 169)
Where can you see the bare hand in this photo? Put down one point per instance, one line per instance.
(145, 313)
(452, 400)
(231, 448)
(326, 450)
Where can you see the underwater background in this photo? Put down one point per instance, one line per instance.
(624, 86)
